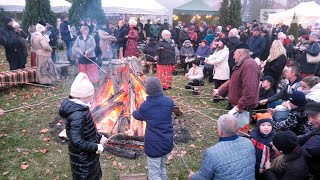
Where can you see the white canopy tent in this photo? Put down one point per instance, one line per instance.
(306, 12)
(57, 6)
(146, 7)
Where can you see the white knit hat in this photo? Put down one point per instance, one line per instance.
(40, 28)
(133, 22)
(81, 86)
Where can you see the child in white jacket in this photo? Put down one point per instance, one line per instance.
(195, 76)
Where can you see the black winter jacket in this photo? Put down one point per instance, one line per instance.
(231, 44)
(275, 67)
(183, 35)
(313, 49)
(120, 35)
(65, 33)
(83, 142)
(150, 51)
(296, 168)
(311, 150)
(166, 53)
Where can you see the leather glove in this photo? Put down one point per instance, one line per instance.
(103, 140)
(100, 149)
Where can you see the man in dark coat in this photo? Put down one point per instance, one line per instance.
(121, 34)
(147, 28)
(66, 35)
(313, 49)
(244, 37)
(310, 141)
(53, 40)
(201, 35)
(265, 35)
(139, 24)
(14, 47)
(275, 32)
(158, 141)
(183, 35)
(257, 44)
(243, 86)
(231, 43)
(165, 25)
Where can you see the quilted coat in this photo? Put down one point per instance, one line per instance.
(83, 142)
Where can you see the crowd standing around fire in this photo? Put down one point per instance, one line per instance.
(258, 67)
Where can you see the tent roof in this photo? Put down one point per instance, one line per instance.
(18, 5)
(148, 7)
(306, 12)
(194, 7)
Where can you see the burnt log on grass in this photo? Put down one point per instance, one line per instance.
(120, 152)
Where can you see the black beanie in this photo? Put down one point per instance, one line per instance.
(5, 20)
(196, 62)
(285, 141)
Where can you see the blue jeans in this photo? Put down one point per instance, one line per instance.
(274, 104)
(157, 168)
(69, 45)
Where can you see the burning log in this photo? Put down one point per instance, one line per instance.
(120, 152)
(100, 114)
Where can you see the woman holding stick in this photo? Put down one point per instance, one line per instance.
(165, 56)
(84, 48)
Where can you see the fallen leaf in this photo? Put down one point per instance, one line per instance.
(114, 163)
(43, 131)
(5, 173)
(110, 157)
(43, 151)
(2, 134)
(59, 124)
(170, 157)
(24, 166)
(192, 145)
(203, 102)
(24, 132)
(46, 139)
(121, 167)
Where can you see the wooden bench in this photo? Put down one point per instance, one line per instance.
(19, 76)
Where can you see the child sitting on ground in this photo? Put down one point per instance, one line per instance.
(297, 120)
(158, 141)
(266, 90)
(186, 53)
(261, 138)
(195, 76)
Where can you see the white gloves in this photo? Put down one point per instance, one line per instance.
(234, 110)
(103, 140)
(100, 149)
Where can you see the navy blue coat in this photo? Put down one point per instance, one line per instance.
(65, 33)
(120, 35)
(257, 46)
(311, 150)
(157, 111)
(313, 49)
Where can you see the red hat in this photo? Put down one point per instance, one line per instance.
(191, 28)
(306, 36)
(204, 41)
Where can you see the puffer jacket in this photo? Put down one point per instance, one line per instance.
(166, 53)
(156, 111)
(83, 142)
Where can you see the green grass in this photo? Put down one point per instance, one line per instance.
(21, 129)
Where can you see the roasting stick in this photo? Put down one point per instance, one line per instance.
(32, 84)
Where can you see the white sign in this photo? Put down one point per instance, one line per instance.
(264, 14)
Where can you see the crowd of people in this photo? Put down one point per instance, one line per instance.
(257, 67)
